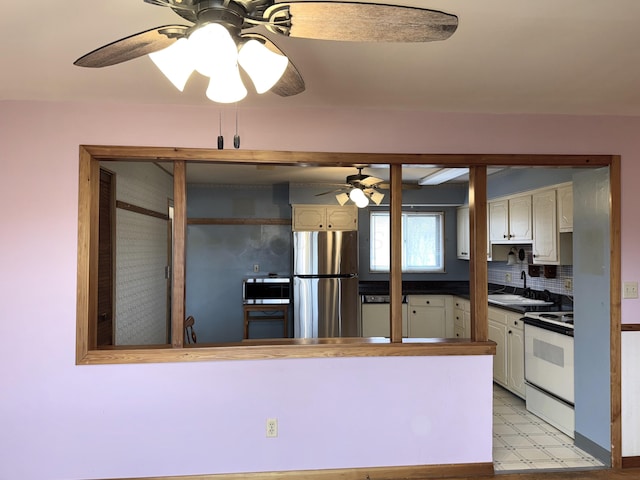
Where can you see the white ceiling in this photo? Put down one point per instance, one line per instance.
(507, 56)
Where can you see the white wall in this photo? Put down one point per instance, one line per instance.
(630, 394)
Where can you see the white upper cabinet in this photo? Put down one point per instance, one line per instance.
(464, 245)
(463, 232)
(510, 220)
(322, 217)
(565, 208)
(552, 245)
(342, 218)
(545, 227)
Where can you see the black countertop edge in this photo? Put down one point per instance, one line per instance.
(376, 287)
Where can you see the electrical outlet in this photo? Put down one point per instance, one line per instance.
(256, 268)
(568, 284)
(630, 290)
(507, 277)
(272, 427)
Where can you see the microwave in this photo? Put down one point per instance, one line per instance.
(266, 291)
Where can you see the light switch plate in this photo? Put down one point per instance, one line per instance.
(630, 290)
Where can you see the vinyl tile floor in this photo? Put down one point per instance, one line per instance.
(522, 441)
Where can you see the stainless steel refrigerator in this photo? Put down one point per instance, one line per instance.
(325, 284)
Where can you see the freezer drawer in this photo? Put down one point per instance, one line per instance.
(325, 307)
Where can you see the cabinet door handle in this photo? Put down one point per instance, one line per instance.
(428, 302)
(509, 332)
(504, 236)
(414, 311)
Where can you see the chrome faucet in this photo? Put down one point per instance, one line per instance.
(523, 276)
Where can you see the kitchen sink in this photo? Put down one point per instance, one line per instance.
(512, 299)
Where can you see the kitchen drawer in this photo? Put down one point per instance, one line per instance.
(498, 315)
(462, 303)
(514, 321)
(427, 300)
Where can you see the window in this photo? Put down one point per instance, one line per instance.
(176, 160)
(422, 242)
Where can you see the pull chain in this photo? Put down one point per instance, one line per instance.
(220, 137)
(236, 137)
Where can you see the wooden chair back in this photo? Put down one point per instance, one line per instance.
(189, 332)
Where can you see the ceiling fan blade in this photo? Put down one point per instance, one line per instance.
(360, 22)
(370, 181)
(330, 191)
(132, 47)
(291, 82)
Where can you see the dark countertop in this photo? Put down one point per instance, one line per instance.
(461, 289)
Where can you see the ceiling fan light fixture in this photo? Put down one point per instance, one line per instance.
(212, 49)
(175, 62)
(442, 175)
(358, 197)
(226, 86)
(263, 66)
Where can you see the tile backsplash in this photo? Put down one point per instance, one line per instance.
(497, 273)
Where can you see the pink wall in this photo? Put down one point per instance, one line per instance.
(64, 421)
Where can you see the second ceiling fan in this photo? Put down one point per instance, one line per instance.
(361, 188)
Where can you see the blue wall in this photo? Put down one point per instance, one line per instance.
(591, 292)
(516, 180)
(220, 256)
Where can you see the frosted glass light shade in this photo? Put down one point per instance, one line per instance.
(175, 62)
(226, 85)
(263, 66)
(358, 197)
(212, 49)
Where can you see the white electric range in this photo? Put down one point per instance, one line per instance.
(548, 365)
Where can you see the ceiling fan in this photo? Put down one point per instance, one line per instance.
(247, 20)
(361, 188)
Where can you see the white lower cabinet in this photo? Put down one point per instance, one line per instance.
(498, 334)
(506, 329)
(461, 318)
(515, 355)
(423, 316)
(376, 320)
(428, 316)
